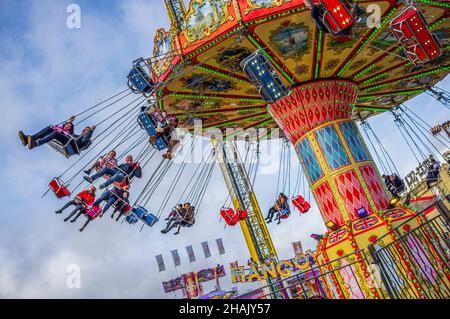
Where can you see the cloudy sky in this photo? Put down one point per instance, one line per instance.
(47, 73)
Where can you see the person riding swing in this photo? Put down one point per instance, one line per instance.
(185, 218)
(109, 161)
(127, 170)
(281, 208)
(83, 199)
(63, 133)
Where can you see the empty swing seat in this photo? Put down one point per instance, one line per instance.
(146, 123)
(132, 218)
(69, 149)
(230, 217)
(143, 215)
(301, 204)
(260, 71)
(139, 80)
(411, 29)
(336, 15)
(242, 214)
(58, 188)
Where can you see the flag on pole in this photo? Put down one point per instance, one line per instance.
(176, 257)
(206, 249)
(160, 261)
(220, 246)
(190, 252)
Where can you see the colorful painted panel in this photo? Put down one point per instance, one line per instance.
(332, 147)
(205, 17)
(376, 189)
(163, 51)
(290, 41)
(365, 223)
(337, 236)
(354, 141)
(259, 4)
(309, 160)
(395, 213)
(328, 205)
(352, 193)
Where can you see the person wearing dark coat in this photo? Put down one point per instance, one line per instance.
(127, 170)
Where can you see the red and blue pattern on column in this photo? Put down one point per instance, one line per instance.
(376, 189)
(354, 141)
(331, 147)
(328, 205)
(352, 193)
(309, 160)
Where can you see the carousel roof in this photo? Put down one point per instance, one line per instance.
(198, 60)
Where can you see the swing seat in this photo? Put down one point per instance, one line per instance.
(143, 215)
(139, 81)
(301, 204)
(242, 214)
(58, 189)
(284, 213)
(123, 184)
(132, 219)
(260, 71)
(146, 123)
(69, 149)
(412, 31)
(94, 211)
(230, 217)
(336, 15)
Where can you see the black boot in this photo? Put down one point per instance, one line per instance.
(23, 138)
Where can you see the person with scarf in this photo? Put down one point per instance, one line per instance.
(127, 170)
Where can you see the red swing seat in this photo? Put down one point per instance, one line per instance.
(94, 211)
(412, 31)
(301, 204)
(337, 15)
(58, 188)
(230, 217)
(242, 214)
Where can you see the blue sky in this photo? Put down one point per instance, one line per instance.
(49, 72)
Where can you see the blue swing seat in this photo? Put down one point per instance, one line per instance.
(140, 213)
(147, 124)
(260, 71)
(138, 79)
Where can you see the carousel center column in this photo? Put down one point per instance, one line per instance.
(316, 117)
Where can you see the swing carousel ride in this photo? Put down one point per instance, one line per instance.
(313, 69)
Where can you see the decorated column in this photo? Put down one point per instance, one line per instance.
(316, 117)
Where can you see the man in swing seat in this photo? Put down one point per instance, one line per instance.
(280, 206)
(175, 212)
(109, 161)
(433, 172)
(170, 136)
(84, 140)
(129, 169)
(185, 219)
(84, 198)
